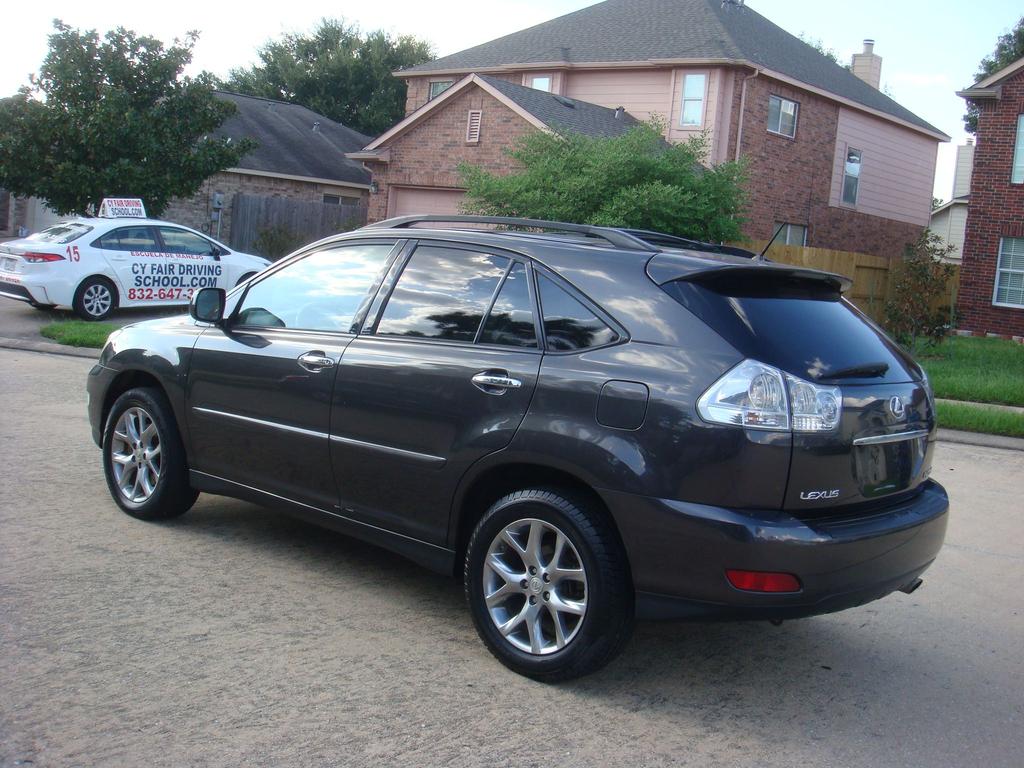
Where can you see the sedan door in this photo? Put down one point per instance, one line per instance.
(442, 378)
(259, 389)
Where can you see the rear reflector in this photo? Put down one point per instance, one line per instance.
(763, 581)
(33, 257)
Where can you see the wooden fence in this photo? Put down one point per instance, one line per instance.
(279, 223)
(871, 275)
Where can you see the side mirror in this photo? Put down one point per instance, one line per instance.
(207, 305)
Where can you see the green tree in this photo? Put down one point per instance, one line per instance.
(337, 71)
(914, 313)
(632, 180)
(113, 117)
(1009, 48)
(819, 46)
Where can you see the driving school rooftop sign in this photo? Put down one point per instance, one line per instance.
(122, 208)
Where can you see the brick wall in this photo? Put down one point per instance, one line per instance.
(996, 210)
(196, 211)
(418, 88)
(429, 153)
(790, 179)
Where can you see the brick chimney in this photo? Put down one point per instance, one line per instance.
(868, 65)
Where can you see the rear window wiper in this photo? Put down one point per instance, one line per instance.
(863, 371)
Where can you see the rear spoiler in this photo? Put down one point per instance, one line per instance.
(665, 268)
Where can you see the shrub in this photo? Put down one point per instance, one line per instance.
(915, 314)
(276, 242)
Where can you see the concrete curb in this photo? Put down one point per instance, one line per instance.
(981, 439)
(990, 406)
(48, 347)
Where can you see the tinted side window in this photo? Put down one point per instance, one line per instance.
(324, 291)
(129, 239)
(568, 324)
(510, 321)
(442, 294)
(183, 241)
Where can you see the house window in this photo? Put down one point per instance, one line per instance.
(473, 120)
(437, 87)
(791, 234)
(541, 82)
(692, 112)
(782, 115)
(1010, 272)
(851, 176)
(332, 200)
(1017, 177)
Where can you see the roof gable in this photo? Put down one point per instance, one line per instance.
(287, 142)
(545, 111)
(670, 31)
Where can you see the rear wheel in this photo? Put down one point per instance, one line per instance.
(548, 586)
(144, 459)
(95, 298)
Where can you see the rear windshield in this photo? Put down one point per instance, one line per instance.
(810, 333)
(61, 233)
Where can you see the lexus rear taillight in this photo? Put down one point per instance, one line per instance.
(760, 396)
(36, 257)
(763, 581)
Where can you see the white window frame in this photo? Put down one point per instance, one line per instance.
(796, 116)
(1000, 270)
(684, 100)
(430, 88)
(1017, 169)
(533, 77)
(860, 170)
(789, 230)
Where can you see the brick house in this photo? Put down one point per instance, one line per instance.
(992, 271)
(831, 158)
(300, 154)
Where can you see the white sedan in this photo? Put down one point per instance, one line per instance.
(96, 265)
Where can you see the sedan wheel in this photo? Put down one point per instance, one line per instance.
(95, 298)
(135, 455)
(535, 586)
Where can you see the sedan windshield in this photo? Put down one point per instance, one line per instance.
(61, 233)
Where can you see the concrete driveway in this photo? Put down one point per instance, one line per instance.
(237, 636)
(20, 321)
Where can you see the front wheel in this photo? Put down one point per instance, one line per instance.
(548, 586)
(144, 459)
(95, 299)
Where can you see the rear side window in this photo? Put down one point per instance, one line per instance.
(510, 321)
(323, 291)
(183, 241)
(568, 324)
(809, 332)
(129, 239)
(61, 233)
(443, 293)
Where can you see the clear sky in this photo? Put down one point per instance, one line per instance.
(929, 49)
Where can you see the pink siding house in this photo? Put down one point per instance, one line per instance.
(832, 160)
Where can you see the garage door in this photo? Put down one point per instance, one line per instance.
(420, 200)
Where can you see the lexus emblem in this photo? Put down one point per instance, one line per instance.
(896, 407)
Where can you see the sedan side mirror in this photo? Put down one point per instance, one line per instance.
(207, 305)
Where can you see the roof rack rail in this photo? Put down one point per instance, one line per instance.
(617, 238)
(663, 240)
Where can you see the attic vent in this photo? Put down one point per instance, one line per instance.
(565, 102)
(473, 126)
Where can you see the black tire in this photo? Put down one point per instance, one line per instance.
(243, 278)
(90, 310)
(171, 495)
(607, 623)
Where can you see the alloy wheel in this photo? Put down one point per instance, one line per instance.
(135, 454)
(535, 586)
(97, 299)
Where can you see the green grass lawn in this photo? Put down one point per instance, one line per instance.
(982, 370)
(78, 333)
(972, 418)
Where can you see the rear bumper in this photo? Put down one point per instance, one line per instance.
(9, 289)
(679, 553)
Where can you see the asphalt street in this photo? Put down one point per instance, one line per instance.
(238, 636)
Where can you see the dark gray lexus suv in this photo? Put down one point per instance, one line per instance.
(586, 425)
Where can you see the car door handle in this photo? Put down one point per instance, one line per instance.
(495, 383)
(315, 361)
